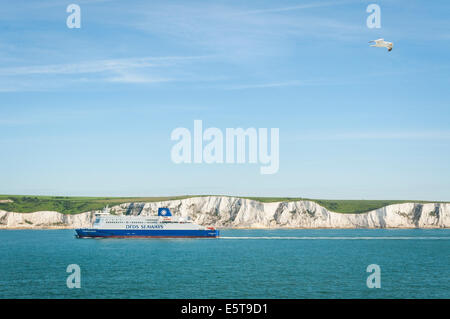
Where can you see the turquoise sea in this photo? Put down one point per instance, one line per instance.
(242, 264)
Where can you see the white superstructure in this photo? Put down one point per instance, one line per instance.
(109, 221)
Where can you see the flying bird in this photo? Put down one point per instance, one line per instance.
(380, 43)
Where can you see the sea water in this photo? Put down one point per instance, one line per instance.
(414, 263)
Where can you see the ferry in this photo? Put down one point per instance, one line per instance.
(162, 226)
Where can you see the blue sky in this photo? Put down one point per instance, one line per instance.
(90, 111)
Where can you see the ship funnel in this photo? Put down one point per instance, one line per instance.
(164, 212)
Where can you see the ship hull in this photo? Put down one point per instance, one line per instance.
(145, 233)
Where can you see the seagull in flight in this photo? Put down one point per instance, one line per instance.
(380, 43)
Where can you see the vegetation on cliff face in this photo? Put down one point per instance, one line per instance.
(343, 206)
(74, 205)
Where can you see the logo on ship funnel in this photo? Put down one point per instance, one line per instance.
(164, 212)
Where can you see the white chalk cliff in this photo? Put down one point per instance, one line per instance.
(234, 212)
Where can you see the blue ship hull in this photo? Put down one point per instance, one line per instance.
(145, 233)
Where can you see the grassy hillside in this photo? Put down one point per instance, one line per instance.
(74, 205)
(342, 206)
(69, 205)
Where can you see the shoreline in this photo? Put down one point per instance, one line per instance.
(246, 228)
(237, 213)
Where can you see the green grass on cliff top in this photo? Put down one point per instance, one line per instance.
(69, 205)
(75, 205)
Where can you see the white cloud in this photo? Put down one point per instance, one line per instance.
(97, 66)
(387, 135)
(298, 7)
(136, 78)
(266, 85)
(240, 32)
(127, 70)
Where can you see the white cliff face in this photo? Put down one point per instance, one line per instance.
(44, 220)
(244, 213)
